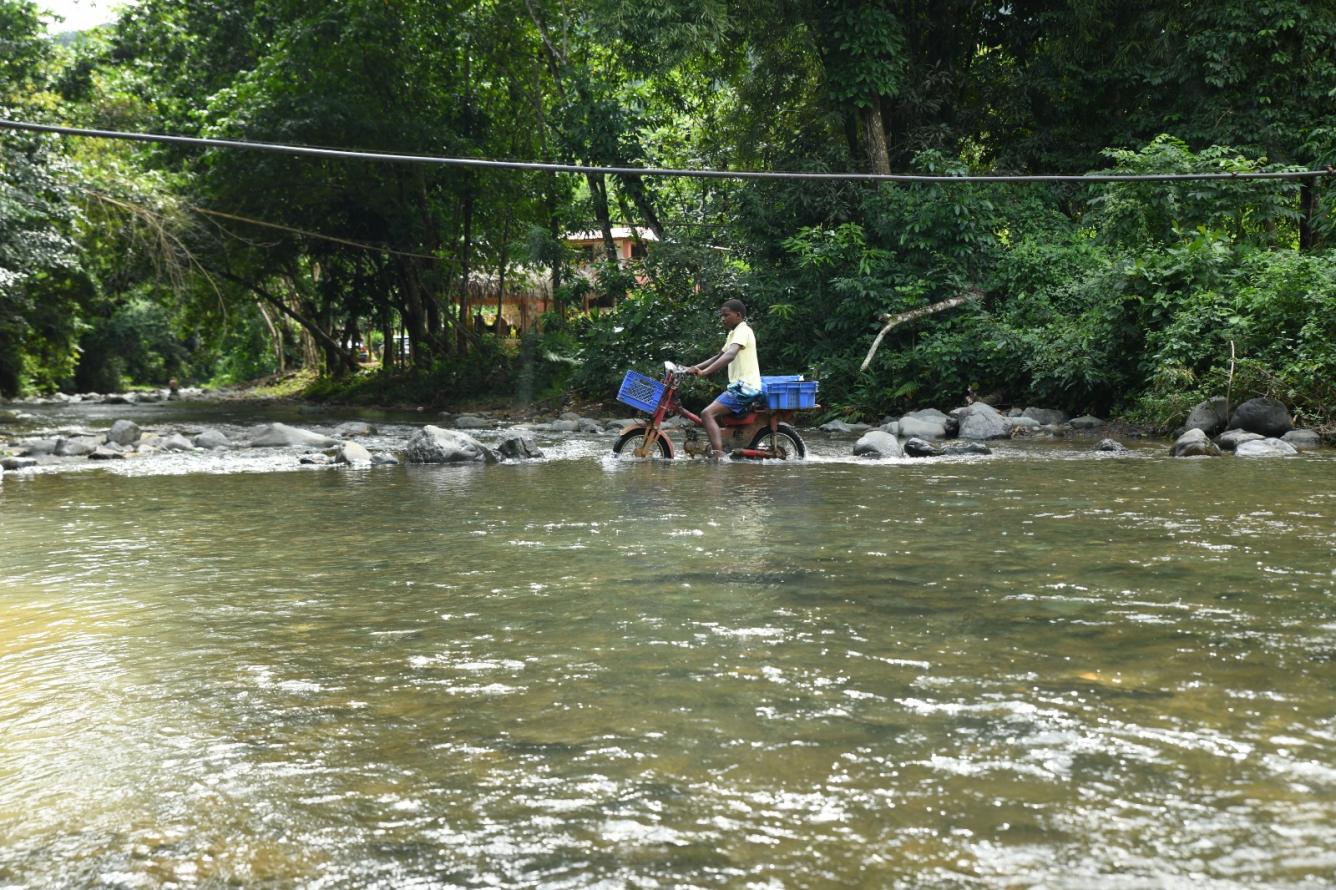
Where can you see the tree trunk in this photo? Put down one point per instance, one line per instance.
(635, 187)
(598, 190)
(872, 133)
(275, 335)
(465, 318)
(502, 262)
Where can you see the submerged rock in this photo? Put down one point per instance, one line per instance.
(433, 445)
(280, 435)
(17, 463)
(354, 428)
(1304, 440)
(965, 448)
(519, 448)
(211, 439)
(877, 444)
(1269, 447)
(1110, 445)
(1194, 443)
(916, 447)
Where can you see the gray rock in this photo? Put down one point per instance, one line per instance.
(1268, 447)
(966, 448)
(916, 447)
(836, 426)
(1046, 416)
(568, 415)
(1304, 440)
(1266, 416)
(384, 460)
(1232, 439)
(565, 426)
(1194, 443)
(211, 439)
(1087, 422)
(471, 422)
(1209, 416)
(1014, 412)
(319, 460)
(981, 422)
(77, 447)
(433, 445)
(17, 463)
(915, 425)
(176, 442)
(1110, 445)
(120, 398)
(280, 435)
(891, 427)
(589, 426)
(878, 444)
(106, 452)
(354, 428)
(519, 448)
(40, 447)
(124, 432)
(351, 453)
(931, 415)
(1021, 422)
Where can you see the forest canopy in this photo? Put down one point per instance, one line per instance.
(127, 264)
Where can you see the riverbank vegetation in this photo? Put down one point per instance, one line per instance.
(127, 263)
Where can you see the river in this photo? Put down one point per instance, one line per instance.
(1040, 668)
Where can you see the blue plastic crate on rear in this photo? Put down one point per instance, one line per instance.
(792, 396)
(767, 382)
(640, 392)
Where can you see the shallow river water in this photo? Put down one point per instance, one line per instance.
(1042, 668)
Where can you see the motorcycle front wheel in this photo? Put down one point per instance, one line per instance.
(632, 439)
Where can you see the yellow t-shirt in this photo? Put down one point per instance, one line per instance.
(745, 365)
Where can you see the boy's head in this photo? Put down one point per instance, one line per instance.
(732, 312)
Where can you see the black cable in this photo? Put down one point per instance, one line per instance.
(480, 163)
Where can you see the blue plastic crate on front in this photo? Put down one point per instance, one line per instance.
(640, 392)
(794, 395)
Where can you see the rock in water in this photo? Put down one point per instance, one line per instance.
(1264, 416)
(519, 448)
(878, 444)
(124, 432)
(280, 435)
(917, 447)
(1304, 440)
(1046, 416)
(211, 439)
(177, 442)
(1234, 438)
(1265, 448)
(433, 445)
(964, 448)
(1194, 443)
(1111, 445)
(981, 421)
(351, 453)
(354, 428)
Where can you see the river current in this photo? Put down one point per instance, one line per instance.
(1043, 668)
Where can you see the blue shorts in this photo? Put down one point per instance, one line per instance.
(739, 398)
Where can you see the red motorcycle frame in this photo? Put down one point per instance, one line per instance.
(765, 434)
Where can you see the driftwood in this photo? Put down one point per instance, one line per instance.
(914, 314)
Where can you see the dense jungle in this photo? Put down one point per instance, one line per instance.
(127, 264)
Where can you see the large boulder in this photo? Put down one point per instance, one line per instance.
(878, 444)
(1209, 416)
(1266, 448)
(211, 439)
(519, 448)
(433, 445)
(280, 435)
(176, 442)
(1304, 440)
(1046, 416)
(124, 432)
(1264, 416)
(1194, 443)
(39, 447)
(980, 421)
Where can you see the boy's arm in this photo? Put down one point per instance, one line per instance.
(720, 360)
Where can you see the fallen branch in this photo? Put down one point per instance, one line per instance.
(913, 315)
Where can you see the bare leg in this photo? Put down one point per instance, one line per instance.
(710, 417)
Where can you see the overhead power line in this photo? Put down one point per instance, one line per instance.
(486, 164)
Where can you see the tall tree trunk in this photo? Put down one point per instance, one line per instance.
(598, 190)
(554, 229)
(275, 335)
(872, 134)
(502, 263)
